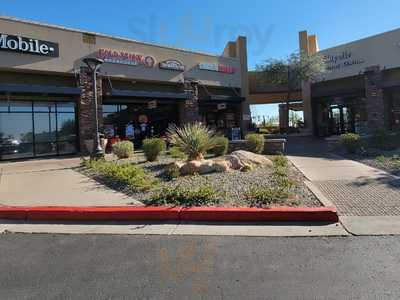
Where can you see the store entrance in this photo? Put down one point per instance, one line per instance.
(340, 119)
(137, 121)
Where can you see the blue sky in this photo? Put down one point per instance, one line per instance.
(271, 26)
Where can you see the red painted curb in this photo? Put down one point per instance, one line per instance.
(327, 214)
(159, 213)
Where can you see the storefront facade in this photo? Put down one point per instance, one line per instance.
(47, 98)
(360, 90)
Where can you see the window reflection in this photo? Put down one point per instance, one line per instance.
(30, 129)
(66, 126)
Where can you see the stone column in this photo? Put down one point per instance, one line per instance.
(374, 100)
(86, 108)
(189, 109)
(241, 52)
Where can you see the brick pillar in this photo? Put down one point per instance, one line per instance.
(86, 108)
(374, 100)
(189, 109)
(283, 118)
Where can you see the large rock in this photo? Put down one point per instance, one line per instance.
(191, 167)
(239, 159)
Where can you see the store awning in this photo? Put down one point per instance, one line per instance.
(148, 94)
(38, 89)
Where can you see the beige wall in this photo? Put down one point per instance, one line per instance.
(382, 50)
(72, 50)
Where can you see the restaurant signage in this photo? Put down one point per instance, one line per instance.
(125, 58)
(21, 44)
(172, 64)
(217, 68)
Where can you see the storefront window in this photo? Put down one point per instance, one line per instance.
(16, 135)
(21, 106)
(66, 126)
(29, 129)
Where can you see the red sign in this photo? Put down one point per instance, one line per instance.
(125, 58)
(217, 68)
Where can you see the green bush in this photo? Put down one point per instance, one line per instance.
(125, 174)
(351, 142)
(221, 146)
(123, 149)
(267, 196)
(152, 148)
(201, 195)
(193, 139)
(383, 140)
(171, 171)
(280, 161)
(175, 152)
(255, 142)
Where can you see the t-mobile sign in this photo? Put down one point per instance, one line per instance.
(27, 45)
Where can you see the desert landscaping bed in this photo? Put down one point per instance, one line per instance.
(232, 186)
(196, 170)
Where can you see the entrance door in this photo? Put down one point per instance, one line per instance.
(340, 119)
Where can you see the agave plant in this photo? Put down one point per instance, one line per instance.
(193, 139)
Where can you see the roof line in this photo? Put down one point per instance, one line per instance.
(30, 22)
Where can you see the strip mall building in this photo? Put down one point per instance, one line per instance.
(359, 92)
(47, 98)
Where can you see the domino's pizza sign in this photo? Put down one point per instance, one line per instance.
(21, 44)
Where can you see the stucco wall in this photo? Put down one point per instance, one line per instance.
(72, 49)
(352, 58)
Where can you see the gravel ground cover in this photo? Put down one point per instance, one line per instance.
(231, 186)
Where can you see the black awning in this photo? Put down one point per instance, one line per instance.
(147, 94)
(42, 89)
(224, 98)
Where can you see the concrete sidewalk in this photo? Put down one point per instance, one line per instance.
(53, 182)
(359, 192)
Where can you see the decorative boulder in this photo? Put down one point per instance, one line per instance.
(206, 166)
(221, 166)
(241, 158)
(237, 160)
(191, 167)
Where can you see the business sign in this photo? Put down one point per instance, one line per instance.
(217, 68)
(172, 64)
(342, 60)
(125, 58)
(21, 44)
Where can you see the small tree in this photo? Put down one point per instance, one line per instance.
(292, 71)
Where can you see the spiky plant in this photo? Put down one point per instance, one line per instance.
(193, 139)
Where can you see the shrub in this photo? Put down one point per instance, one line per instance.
(221, 146)
(201, 195)
(383, 140)
(351, 142)
(152, 148)
(267, 196)
(193, 139)
(171, 171)
(255, 142)
(125, 174)
(175, 152)
(123, 149)
(280, 161)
